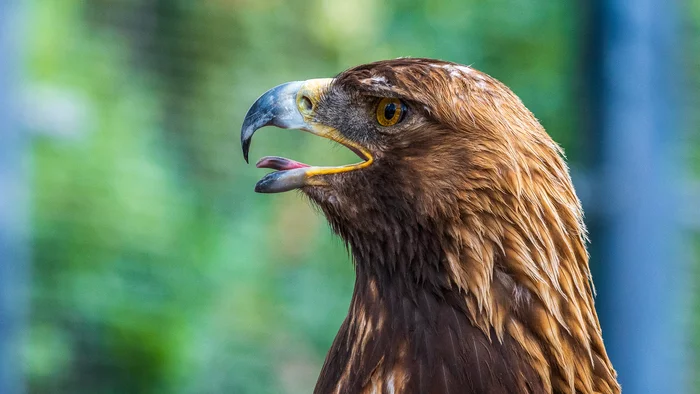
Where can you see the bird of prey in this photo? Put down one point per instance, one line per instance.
(466, 234)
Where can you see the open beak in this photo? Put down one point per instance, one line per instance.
(292, 106)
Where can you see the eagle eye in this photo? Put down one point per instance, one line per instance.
(390, 111)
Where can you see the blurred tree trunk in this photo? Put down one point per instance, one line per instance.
(13, 206)
(634, 137)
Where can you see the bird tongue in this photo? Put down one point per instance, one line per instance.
(279, 163)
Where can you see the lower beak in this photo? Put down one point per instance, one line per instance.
(292, 106)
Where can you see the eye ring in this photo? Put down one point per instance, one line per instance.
(390, 111)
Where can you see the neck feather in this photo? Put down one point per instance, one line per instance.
(505, 280)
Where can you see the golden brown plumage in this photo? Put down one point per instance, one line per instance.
(466, 233)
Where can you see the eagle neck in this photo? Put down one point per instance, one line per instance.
(406, 257)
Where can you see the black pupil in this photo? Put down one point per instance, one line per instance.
(390, 111)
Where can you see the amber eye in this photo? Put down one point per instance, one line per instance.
(390, 111)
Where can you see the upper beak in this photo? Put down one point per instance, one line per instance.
(292, 106)
(277, 107)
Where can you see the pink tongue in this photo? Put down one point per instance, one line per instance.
(279, 163)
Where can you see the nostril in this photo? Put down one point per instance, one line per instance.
(305, 104)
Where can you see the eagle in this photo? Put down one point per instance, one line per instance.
(465, 231)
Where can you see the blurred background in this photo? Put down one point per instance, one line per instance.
(136, 258)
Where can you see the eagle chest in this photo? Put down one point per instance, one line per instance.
(421, 346)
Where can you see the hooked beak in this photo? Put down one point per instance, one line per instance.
(292, 106)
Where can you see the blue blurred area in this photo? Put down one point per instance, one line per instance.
(154, 266)
(643, 301)
(14, 259)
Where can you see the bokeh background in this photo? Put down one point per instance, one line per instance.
(135, 257)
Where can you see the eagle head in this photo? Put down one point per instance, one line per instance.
(463, 224)
(428, 132)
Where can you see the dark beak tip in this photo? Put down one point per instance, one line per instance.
(245, 145)
(263, 185)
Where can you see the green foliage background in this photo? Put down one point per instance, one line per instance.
(156, 269)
